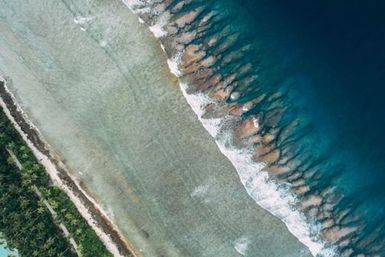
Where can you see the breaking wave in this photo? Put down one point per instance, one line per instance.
(253, 125)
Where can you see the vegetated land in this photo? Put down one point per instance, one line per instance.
(25, 221)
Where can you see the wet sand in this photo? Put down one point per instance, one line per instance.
(96, 84)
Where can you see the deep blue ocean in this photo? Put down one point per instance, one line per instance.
(306, 77)
(313, 72)
(330, 57)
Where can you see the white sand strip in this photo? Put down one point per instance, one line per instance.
(53, 172)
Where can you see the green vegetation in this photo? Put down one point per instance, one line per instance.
(25, 220)
(89, 243)
(26, 224)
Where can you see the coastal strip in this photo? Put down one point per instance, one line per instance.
(250, 122)
(60, 176)
(255, 125)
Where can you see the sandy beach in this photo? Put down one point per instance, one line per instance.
(61, 177)
(96, 84)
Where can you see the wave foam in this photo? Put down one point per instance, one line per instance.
(267, 194)
(264, 192)
(241, 245)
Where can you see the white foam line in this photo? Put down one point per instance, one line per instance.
(263, 191)
(139, 7)
(53, 172)
(81, 20)
(157, 29)
(173, 64)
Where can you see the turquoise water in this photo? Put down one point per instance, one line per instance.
(96, 84)
(5, 252)
(311, 74)
(331, 55)
(327, 56)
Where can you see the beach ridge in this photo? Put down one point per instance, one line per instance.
(91, 211)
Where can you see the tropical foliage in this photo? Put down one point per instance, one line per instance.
(25, 221)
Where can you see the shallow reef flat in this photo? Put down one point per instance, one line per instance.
(259, 126)
(96, 84)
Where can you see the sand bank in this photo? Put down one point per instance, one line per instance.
(96, 84)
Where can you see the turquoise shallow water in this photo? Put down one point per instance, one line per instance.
(96, 84)
(316, 84)
(311, 75)
(3, 252)
(327, 58)
(331, 55)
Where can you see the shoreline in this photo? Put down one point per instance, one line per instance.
(197, 206)
(4, 249)
(91, 211)
(185, 60)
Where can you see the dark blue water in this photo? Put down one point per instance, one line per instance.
(327, 59)
(313, 72)
(331, 56)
